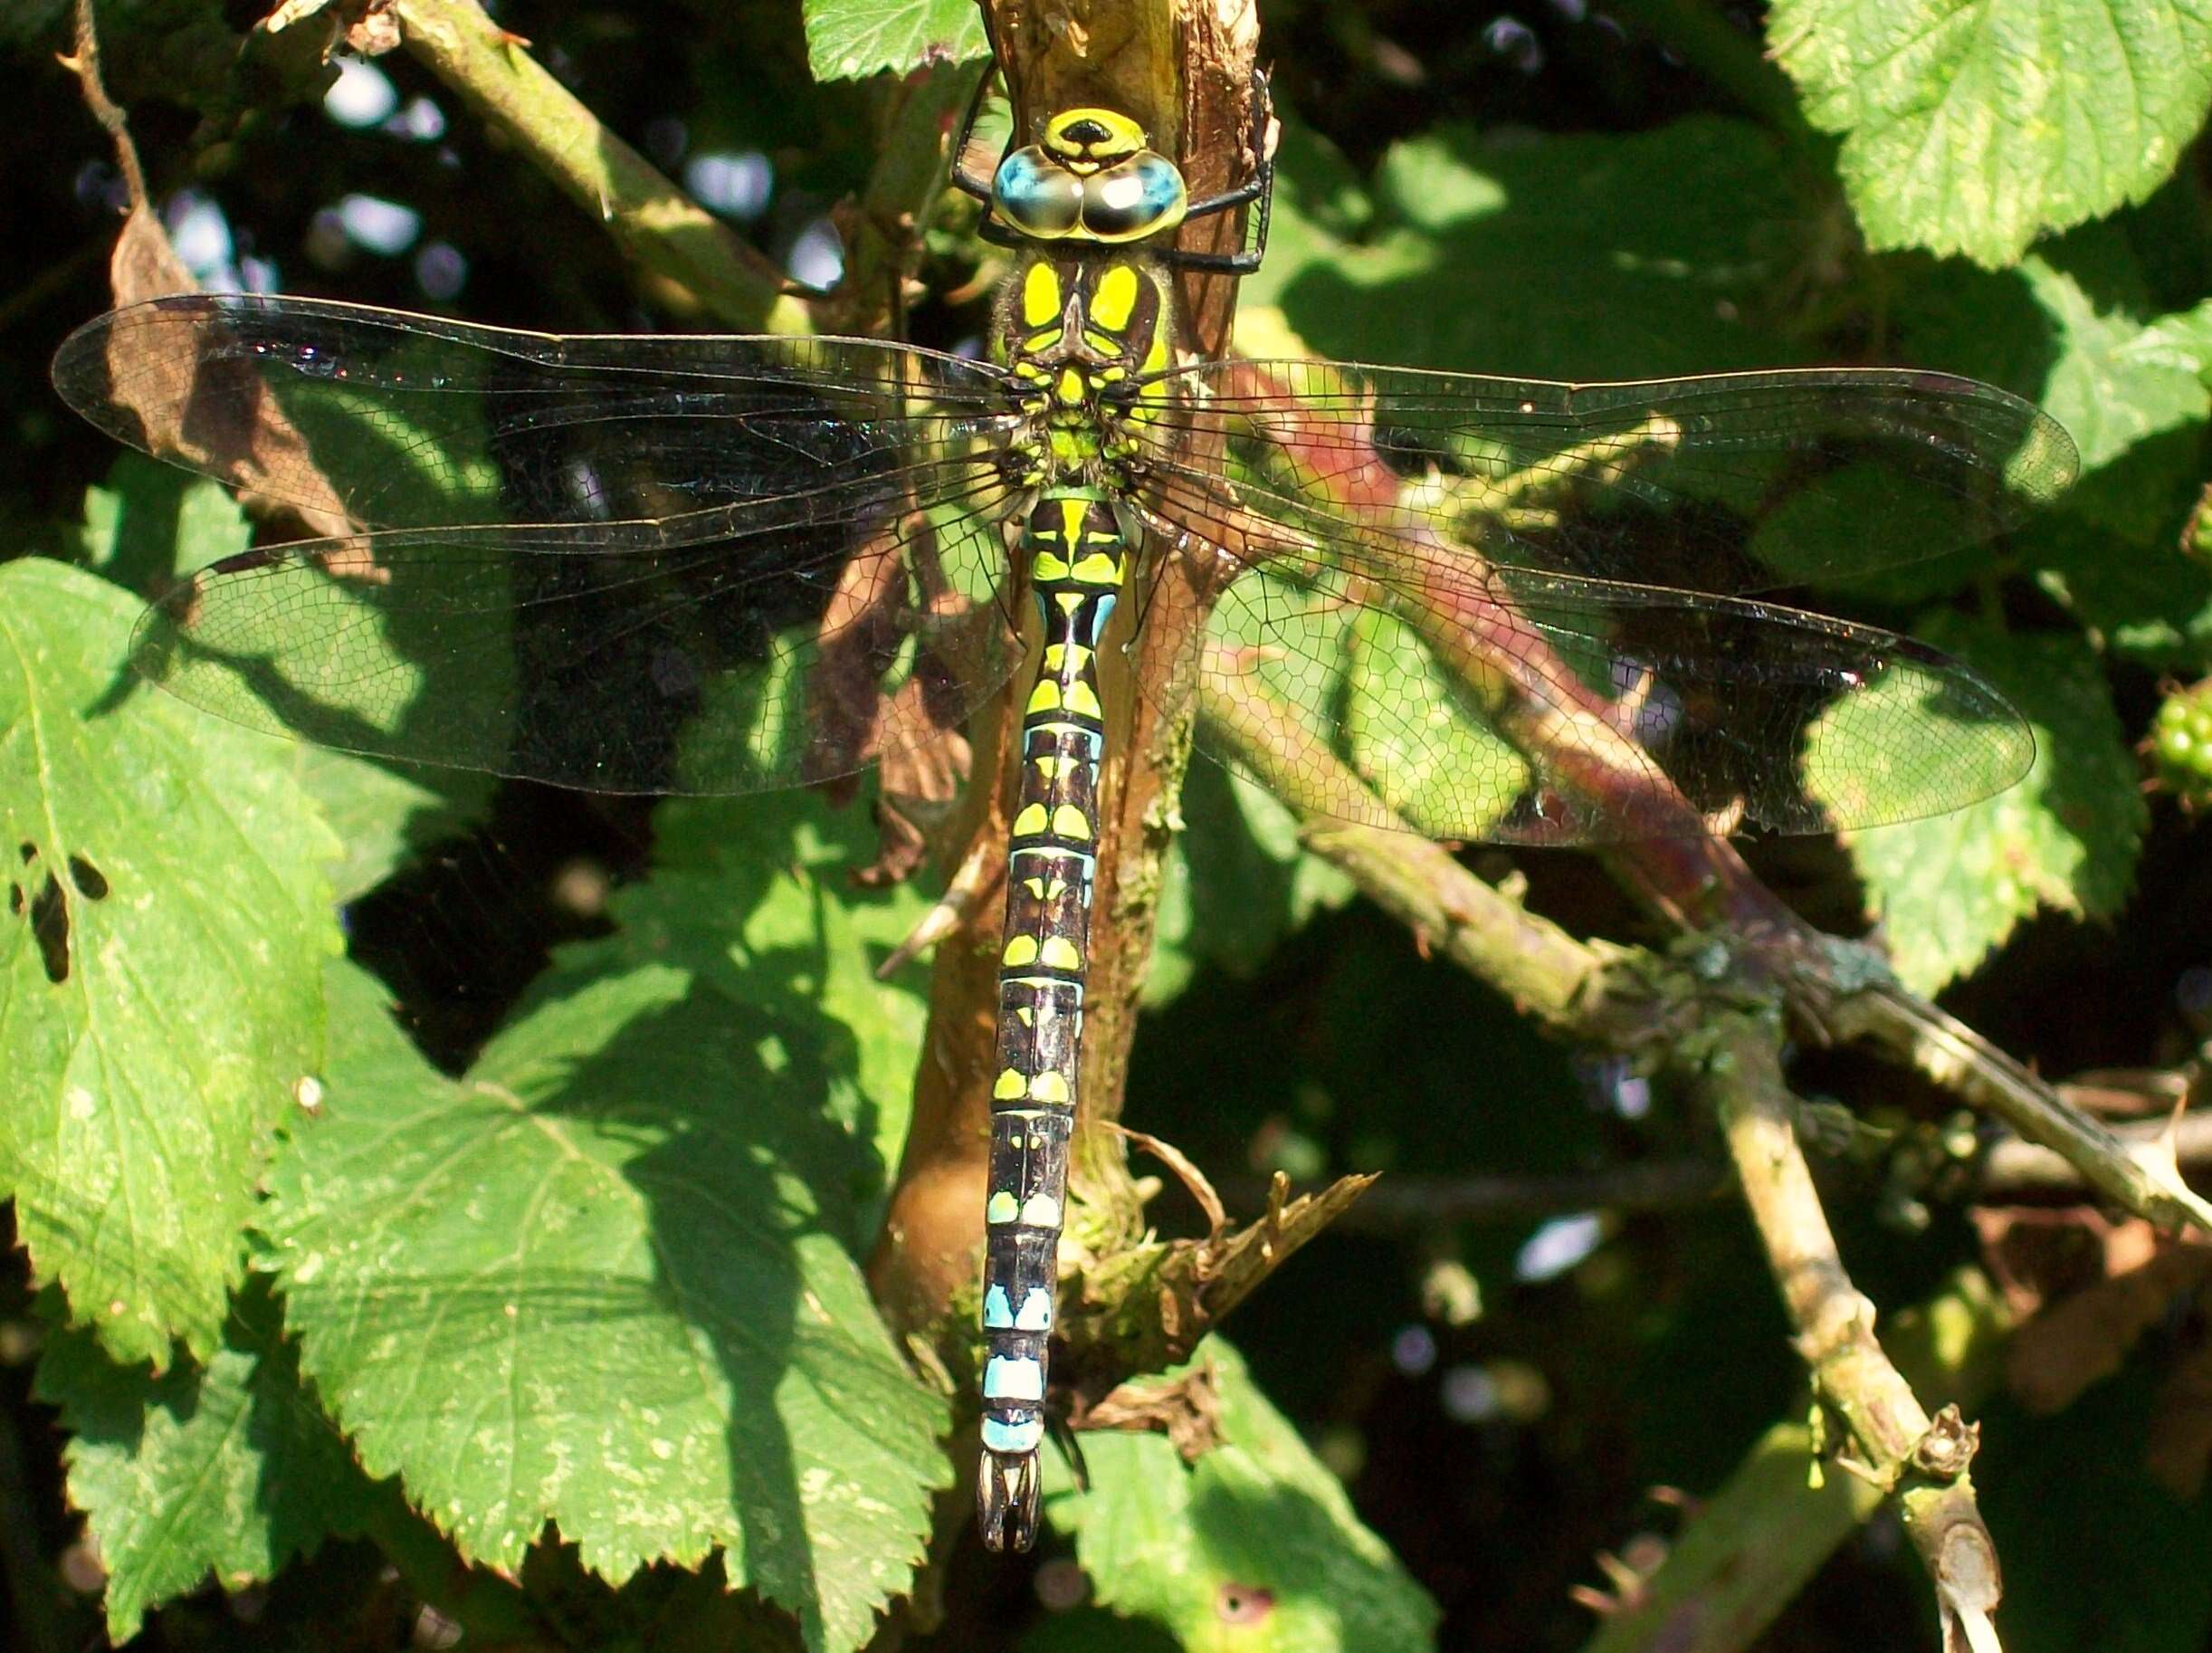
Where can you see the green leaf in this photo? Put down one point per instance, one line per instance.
(1254, 1546)
(584, 1285)
(846, 39)
(1238, 883)
(1976, 127)
(1655, 251)
(1948, 889)
(227, 1468)
(164, 923)
(756, 895)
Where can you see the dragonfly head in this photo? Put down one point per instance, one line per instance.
(1089, 179)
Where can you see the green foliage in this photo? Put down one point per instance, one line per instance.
(584, 1285)
(846, 39)
(1976, 129)
(225, 1467)
(1255, 1545)
(167, 921)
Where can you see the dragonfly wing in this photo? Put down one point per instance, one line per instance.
(1734, 482)
(363, 418)
(1415, 684)
(641, 656)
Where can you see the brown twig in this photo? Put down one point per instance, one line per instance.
(1897, 1446)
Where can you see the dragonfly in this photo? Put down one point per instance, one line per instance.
(1527, 612)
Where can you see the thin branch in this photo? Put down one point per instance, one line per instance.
(1749, 1549)
(1896, 1446)
(652, 221)
(2141, 1177)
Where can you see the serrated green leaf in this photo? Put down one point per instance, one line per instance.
(225, 1468)
(846, 39)
(1949, 889)
(756, 895)
(164, 924)
(1975, 128)
(1254, 1547)
(585, 1286)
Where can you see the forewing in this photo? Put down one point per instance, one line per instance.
(1736, 482)
(363, 418)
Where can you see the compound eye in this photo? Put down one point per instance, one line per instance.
(1037, 196)
(1140, 196)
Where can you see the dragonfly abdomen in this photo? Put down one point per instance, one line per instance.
(1078, 559)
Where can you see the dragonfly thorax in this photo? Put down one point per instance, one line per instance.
(1086, 338)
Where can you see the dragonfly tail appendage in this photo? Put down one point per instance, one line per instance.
(1077, 559)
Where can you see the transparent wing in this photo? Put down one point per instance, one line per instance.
(705, 564)
(1499, 642)
(698, 655)
(1736, 482)
(371, 419)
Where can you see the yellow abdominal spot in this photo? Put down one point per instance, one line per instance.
(1098, 568)
(1082, 700)
(1011, 1085)
(1022, 949)
(1049, 566)
(1069, 822)
(1004, 1207)
(1045, 697)
(1059, 954)
(1030, 822)
(1049, 1088)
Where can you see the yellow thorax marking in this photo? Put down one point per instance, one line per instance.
(1114, 300)
(1040, 295)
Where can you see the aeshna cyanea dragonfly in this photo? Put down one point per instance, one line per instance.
(721, 564)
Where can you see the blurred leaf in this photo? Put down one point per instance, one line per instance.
(1976, 128)
(585, 1284)
(1092, 1629)
(225, 1468)
(846, 39)
(1456, 767)
(1254, 1546)
(1655, 251)
(160, 957)
(1948, 889)
(1238, 881)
